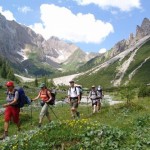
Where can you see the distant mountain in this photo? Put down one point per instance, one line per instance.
(123, 45)
(127, 60)
(31, 53)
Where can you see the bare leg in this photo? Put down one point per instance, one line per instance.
(6, 126)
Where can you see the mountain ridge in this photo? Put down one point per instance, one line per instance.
(22, 46)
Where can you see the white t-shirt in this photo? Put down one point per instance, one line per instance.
(73, 92)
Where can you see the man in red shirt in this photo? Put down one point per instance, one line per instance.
(11, 109)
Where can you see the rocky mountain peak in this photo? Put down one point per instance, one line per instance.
(143, 30)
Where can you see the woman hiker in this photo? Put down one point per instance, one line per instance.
(45, 97)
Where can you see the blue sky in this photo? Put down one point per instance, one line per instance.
(93, 25)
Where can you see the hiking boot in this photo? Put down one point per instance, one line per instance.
(78, 114)
(73, 117)
(39, 125)
(4, 136)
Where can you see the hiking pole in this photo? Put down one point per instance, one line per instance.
(31, 112)
(87, 105)
(53, 112)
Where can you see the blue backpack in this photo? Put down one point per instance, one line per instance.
(23, 99)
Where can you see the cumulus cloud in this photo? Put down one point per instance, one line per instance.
(61, 22)
(24, 9)
(123, 5)
(102, 50)
(8, 14)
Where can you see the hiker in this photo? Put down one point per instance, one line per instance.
(93, 95)
(74, 99)
(45, 97)
(11, 109)
(100, 96)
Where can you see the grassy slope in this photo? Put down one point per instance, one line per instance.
(102, 77)
(95, 61)
(73, 61)
(106, 75)
(142, 75)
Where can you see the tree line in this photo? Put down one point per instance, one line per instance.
(6, 70)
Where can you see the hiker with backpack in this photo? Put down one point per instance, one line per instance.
(11, 108)
(94, 95)
(46, 99)
(100, 93)
(74, 99)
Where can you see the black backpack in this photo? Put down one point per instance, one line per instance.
(53, 94)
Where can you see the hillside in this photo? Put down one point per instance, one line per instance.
(29, 53)
(131, 64)
(127, 60)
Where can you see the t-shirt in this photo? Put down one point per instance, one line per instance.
(93, 94)
(11, 96)
(73, 92)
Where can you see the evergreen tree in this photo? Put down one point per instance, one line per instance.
(36, 82)
(10, 75)
(45, 80)
(3, 71)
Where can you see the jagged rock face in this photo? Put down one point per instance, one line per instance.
(58, 50)
(131, 39)
(18, 43)
(119, 47)
(143, 30)
(14, 37)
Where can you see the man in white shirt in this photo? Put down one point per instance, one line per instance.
(74, 99)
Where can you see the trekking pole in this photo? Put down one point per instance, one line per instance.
(53, 112)
(31, 113)
(88, 105)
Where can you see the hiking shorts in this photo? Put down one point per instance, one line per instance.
(99, 100)
(94, 102)
(44, 110)
(74, 103)
(12, 112)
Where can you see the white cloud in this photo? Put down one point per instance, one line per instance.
(102, 50)
(123, 5)
(113, 12)
(61, 22)
(8, 14)
(24, 9)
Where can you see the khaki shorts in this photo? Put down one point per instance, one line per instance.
(74, 103)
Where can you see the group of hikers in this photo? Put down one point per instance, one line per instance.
(47, 97)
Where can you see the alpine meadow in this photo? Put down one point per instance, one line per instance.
(75, 75)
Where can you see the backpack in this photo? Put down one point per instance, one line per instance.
(22, 99)
(53, 94)
(95, 93)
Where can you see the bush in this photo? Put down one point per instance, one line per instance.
(144, 91)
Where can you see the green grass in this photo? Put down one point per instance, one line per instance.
(142, 75)
(114, 127)
(74, 61)
(102, 77)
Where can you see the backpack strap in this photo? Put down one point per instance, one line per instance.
(93, 91)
